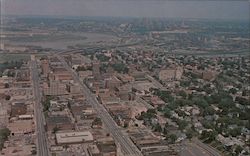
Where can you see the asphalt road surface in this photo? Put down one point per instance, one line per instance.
(197, 148)
(42, 146)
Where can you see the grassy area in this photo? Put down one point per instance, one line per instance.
(51, 38)
(4, 133)
(17, 57)
(243, 52)
(13, 57)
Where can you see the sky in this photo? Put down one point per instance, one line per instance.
(219, 9)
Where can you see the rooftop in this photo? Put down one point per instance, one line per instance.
(73, 137)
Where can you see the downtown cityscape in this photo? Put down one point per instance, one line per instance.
(124, 85)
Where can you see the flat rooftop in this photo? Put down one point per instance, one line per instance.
(73, 137)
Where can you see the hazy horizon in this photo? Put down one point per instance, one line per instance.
(142, 8)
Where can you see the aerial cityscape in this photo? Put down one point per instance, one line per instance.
(124, 86)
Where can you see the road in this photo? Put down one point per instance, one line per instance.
(155, 82)
(42, 145)
(147, 105)
(208, 148)
(127, 146)
(196, 148)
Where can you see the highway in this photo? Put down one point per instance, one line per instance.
(127, 146)
(42, 144)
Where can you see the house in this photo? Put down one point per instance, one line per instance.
(156, 101)
(229, 141)
(171, 74)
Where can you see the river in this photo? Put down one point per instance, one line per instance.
(64, 43)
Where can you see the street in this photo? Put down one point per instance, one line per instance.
(42, 146)
(196, 148)
(127, 146)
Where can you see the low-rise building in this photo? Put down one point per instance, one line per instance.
(171, 74)
(20, 127)
(18, 108)
(74, 137)
(60, 122)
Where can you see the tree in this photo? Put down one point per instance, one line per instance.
(147, 115)
(165, 130)
(46, 103)
(125, 125)
(55, 129)
(97, 119)
(182, 124)
(200, 102)
(238, 149)
(233, 91)
(46, 106)
(157, 128)
(80, 68)
(33, 152)
(66, 146)
(207, 124)
(207, 88)
(242, 100)
(172, 138)
(164, 95)
(152, 111)
(225, 103)
(6, 85)
(120, 68)
(208, 111)
(208, 136)
(102, 57)
(4, 133)
(7, 97)
(185, 83)
(167, 112)
(235, 132)
(183, 94)
(245, 92)
(189, 133)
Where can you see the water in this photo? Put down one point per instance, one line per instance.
(64, 43)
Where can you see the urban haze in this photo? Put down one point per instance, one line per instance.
(124, 78)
